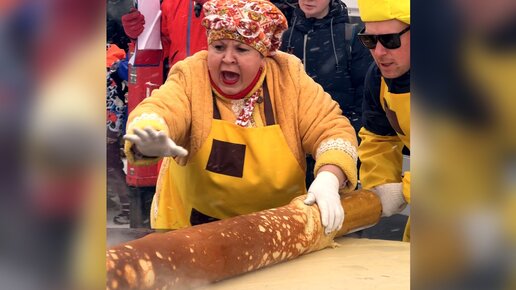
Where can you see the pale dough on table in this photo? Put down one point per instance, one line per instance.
(355, 264)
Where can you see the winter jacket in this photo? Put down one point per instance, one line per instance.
(181, 29)
(320, 44)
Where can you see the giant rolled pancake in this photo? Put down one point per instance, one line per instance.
(203, 254)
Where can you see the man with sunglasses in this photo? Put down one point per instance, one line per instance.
(386, 105)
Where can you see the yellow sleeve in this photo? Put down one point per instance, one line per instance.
(381, 159)
(325, 132)
(167, 109)
(406, 186)
(144, 120)
(344, 161)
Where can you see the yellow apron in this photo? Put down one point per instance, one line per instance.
(397, 109)
(236, 171)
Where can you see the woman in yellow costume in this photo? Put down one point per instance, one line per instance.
(234, 124)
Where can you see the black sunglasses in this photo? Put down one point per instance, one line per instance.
(389, 41)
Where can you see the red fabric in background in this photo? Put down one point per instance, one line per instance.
(174, 29)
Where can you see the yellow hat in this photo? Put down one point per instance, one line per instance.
(380, 10)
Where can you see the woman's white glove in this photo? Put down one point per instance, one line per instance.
(325, 191)
(391, 196)
(152, 143)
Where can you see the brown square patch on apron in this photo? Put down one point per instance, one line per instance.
(226, 158)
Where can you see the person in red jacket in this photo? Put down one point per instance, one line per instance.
(181, 31)
(182, 35)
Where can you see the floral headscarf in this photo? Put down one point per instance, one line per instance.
(257, 23)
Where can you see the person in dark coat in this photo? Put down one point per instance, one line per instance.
(322, 37)
(287, 7)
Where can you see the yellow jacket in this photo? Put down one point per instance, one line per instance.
(386, 117)
(309, 119)
(386, 130)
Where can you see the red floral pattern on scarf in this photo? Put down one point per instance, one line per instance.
(257, 23)
(247, 111)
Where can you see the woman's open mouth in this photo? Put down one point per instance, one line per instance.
(229, 78)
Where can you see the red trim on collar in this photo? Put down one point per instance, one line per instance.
(243, 93)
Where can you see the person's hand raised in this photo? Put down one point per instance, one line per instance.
(152, 143)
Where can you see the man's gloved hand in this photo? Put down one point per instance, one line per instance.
(133, 23)
(152, 143)
(391, 196)
(325, 191)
